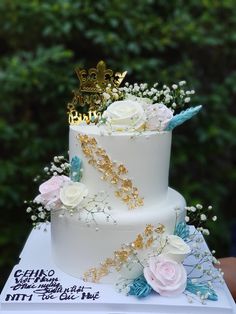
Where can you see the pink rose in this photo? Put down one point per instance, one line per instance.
(50, 190)
(158, 116)
(165, 276)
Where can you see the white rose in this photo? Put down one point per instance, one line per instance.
(125, 115)
(175, 248)
(72, 193)
(158, 117)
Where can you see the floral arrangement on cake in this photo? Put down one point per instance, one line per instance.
(132, 108)
(154, 262)
(165, 264)
(147, 109)
(60, 189)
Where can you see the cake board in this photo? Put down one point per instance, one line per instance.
(37, 285)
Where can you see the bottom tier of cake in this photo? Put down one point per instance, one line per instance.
(77, 246)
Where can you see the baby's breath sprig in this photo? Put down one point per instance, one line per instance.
(198, 216)
(174, 97)
(110, 95)
(38, 213)
(59, 166)
(94, 205)
(202, 275)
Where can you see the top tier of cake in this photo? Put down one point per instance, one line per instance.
(145, 156)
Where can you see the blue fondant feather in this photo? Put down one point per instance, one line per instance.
(182, 117)
(201, 290)
(75, 169)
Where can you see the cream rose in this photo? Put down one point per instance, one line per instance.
(158, 117)
(175, 248)
(165, 276)
(73, 193)
(125, 115)
(50, 190)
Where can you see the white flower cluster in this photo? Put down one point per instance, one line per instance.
(173, 97)
(59, 166)
(198, 215)
(38, 211)
(110, 95)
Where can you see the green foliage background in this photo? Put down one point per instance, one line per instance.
(166, 41)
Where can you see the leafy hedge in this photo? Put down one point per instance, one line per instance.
(165, 41)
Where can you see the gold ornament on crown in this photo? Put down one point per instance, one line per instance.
(89, 95)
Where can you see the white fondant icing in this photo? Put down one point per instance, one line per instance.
(77, 247)
(146, 159)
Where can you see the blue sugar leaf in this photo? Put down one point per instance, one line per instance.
(75, 169)
(182, 117)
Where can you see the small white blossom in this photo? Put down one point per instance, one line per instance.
(199, 206)
(174, 86)
(28, 209)
(206, 232)
(203, 217)
(193, 209)
(214, 218)
(41, 215)
(181, 83)
(116, 96)
(186, 218)
(33, 217)
(106, 96)
(187, 99)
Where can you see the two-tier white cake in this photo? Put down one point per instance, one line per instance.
(115, 212)
(114, 218)
(145, 156)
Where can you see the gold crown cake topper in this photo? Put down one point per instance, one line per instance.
(89, 96)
